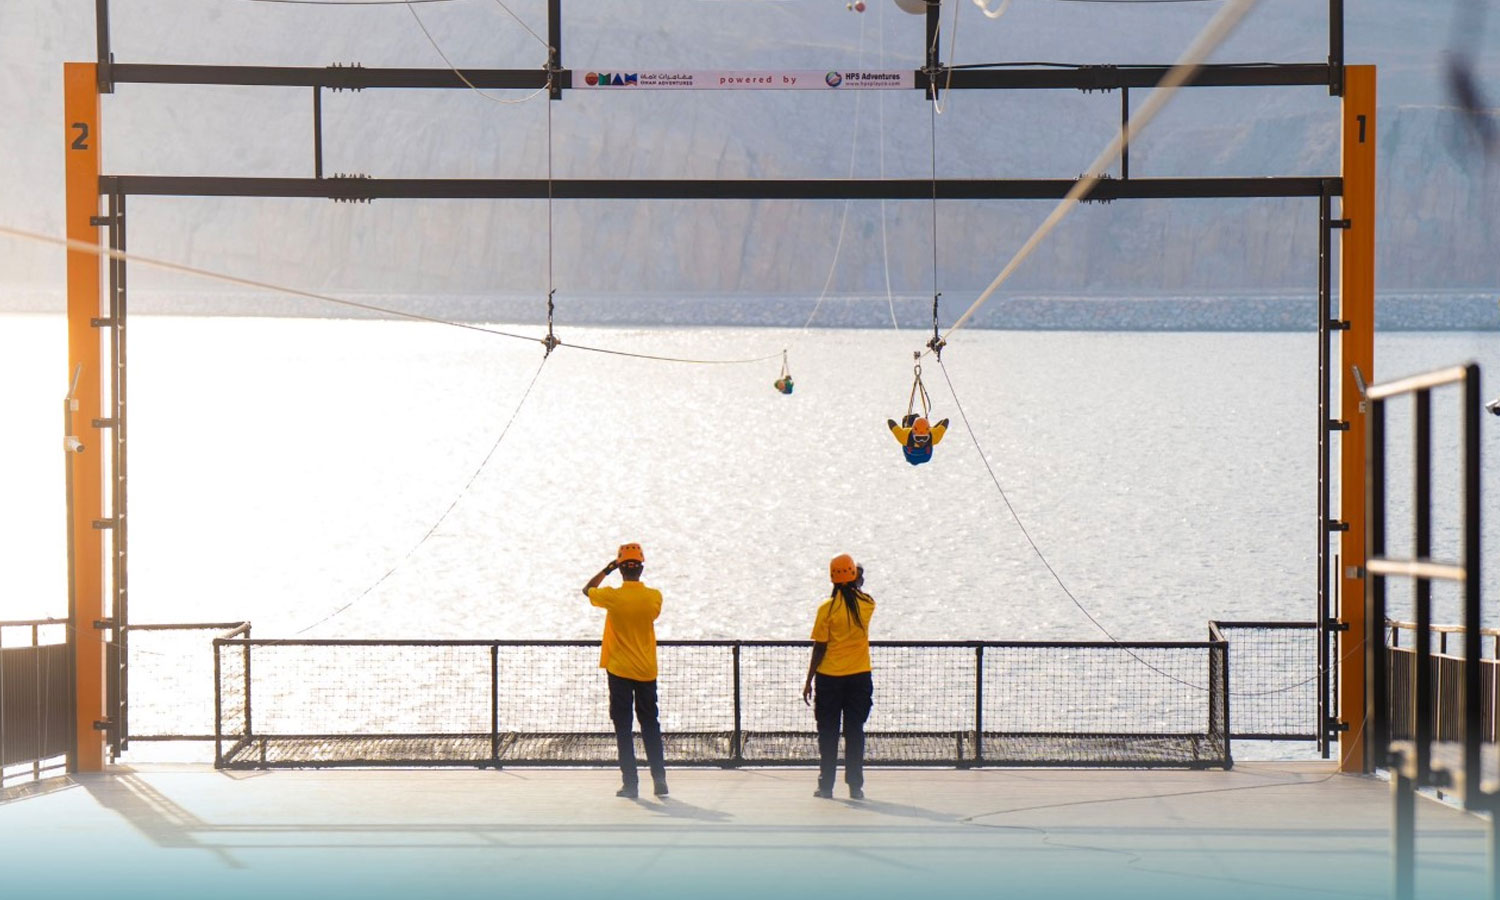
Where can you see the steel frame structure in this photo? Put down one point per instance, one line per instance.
(107, 709)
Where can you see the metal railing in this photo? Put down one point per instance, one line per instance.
(1445, 680)
(1410, 758)
(36, 710)
(294, 703)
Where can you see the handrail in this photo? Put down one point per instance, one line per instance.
(183, 626)
(1414, 383)
(718, 642)
(27, 623)
(1449, 629)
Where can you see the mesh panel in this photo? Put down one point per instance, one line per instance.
(1274, 673)
(171, 688)
(1117, 704)
(362, 689)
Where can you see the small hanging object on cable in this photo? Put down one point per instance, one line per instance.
(916, 435)
(551, 341)
(937, 343)
(784, 383)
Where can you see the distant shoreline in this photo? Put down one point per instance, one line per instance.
(1407, 311)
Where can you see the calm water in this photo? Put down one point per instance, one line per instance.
(279, 468)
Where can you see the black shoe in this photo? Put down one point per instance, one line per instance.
(659, 787)
(629, 792)
(825, 793)
(856, 793)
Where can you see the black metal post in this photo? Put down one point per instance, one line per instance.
(932, 56)
(218, 710)
(248, 730)
(1336, 48)
(1124, 132)
(554, 48)
(495, 704)
(105, 73)
(121, 531)
(1323, 614)
(736, 740)
(1422, 587)
(2, 707)
(1377, 703)
(317, 131)
(36, 680)
(1474, 797)
(1224, 688)
(979, 704)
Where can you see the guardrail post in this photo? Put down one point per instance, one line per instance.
(1422, 587)
(36, 679)
(736, 740)
(2, 712)
(495, 704)
(246, 648)
(979, 703)
(218, 710)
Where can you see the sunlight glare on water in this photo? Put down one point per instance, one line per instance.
(280, 467)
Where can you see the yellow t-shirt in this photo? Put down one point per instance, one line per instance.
(629, 649)
(848, 643)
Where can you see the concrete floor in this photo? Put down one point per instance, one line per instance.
(1260, 830)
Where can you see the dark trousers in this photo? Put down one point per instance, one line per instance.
(842, 700)
(627, 696)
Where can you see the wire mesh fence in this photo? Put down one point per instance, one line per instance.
(725, 703)
(1275, 685)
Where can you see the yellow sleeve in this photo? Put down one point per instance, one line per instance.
(937, 434)
(602, 597)
(820, 625)
(901, 434)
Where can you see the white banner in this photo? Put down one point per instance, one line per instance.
(763, 80)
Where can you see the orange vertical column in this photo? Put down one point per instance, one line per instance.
(81, 152)
(1356, 348)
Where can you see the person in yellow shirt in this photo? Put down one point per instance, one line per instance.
(628, 655)
(917, 437)
(841, 667)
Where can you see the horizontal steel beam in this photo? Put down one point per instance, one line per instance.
(355, 77)
(1108, 78)
(350, 189)
(351, 77)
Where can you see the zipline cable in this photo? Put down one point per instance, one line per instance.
(95, 249)
(522, 23)
(1215, 33)
(461, 76)
(440, 519)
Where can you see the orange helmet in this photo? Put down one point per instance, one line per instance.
(630, 553)
(920, 428)
(842, 569)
